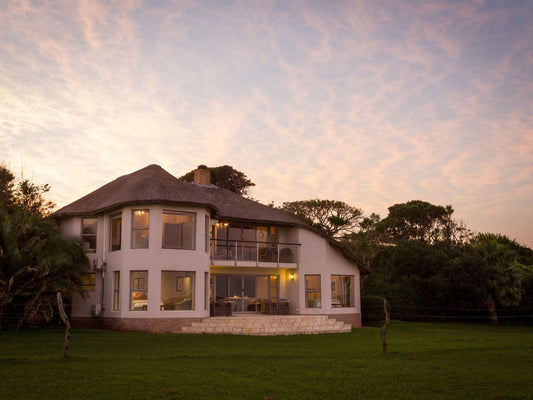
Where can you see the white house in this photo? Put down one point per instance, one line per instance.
(166, 253)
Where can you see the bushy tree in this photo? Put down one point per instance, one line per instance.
(334, 218)
(424, 222)
(225, 177)
(36, 260)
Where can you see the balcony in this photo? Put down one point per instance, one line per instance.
(255, 254)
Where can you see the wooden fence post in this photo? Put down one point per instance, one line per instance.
(384, 329)
(65, 319)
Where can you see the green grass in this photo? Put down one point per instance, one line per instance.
(426, 361)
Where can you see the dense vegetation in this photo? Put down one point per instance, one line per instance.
(36, 260)
(425, 361)
(427, 264)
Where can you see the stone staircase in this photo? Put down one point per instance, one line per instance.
(268, 325)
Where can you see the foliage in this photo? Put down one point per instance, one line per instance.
(425, 361)
(225, 177)
(36, 260)
(423, 221)
(6, 186)
(334, 218)
(24, 194)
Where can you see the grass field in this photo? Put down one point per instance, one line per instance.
(425, 361)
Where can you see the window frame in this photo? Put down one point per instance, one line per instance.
(88, 281)
(189, 214)
(137, 288)
(116, 290)
(89, 236)
(317, 302)
(135, 229)
(112, 219)
(335, 287)
(174, 280)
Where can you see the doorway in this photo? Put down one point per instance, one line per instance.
(245, 292)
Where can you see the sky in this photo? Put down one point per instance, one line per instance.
(372, 103)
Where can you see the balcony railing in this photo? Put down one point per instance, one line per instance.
(259, 252)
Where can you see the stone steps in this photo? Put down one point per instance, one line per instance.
(268, 325)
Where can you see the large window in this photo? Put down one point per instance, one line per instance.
(179, 230)
(177, 290)
(116, 232)
(342, 291)
(312, 291)
(88, 234)
(140, 229)
(139, 290)
(116, 290)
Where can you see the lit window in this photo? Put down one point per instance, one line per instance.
(312, 291)
(177, 290)
(88, 234)
(116, 290)
(116, 232)
(140, 229)
(342, 291)
(139, 290)
(88, 282)
(179, 230)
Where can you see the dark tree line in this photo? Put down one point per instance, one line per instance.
(427, 263)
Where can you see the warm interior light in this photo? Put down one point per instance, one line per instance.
(291, 276)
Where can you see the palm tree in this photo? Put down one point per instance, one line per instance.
(501, 273)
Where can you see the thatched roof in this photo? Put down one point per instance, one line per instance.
(153, 184)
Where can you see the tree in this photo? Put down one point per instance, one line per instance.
(334, 218)
(225, 177)
(6, 186)
(500, 271)
(367, 241)
(423, 221)
(36, 260)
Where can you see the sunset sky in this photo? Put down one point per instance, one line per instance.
(368, 102)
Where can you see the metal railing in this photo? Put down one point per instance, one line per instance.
(240, 250)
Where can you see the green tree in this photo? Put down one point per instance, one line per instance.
(501, 273)
(225, 177)
(36, 260)
(6, 186)
(333, 218)
(422, 221)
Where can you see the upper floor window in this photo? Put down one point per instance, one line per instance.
(88, 234)
(179, 230)
(116, 232)
(140, 229)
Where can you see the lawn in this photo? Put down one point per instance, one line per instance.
(425, 361)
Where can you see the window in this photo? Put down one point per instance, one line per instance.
(88, 234)
(116, 290)
(177, 290)
(342, 291)
(140, 229)
(116, 232)
(206, 227)
(312, 291)
(179, 230)
(139, 290)
(88, 282)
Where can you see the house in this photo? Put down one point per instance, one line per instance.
(166, 253)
